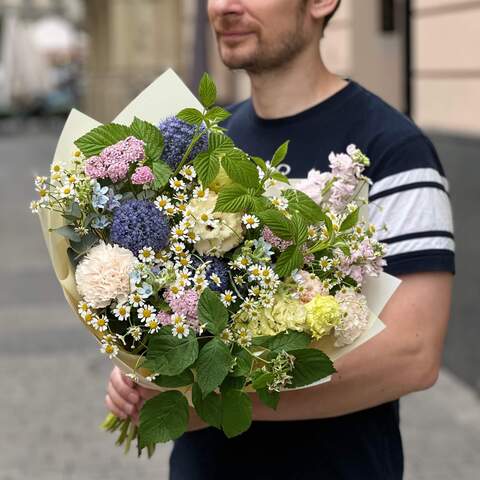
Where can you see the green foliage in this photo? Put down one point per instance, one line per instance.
(213, 364)
(280, 154)
(311, 365)
(162, 173)
(243, 364)
(212, 312)
(217, 115)
(269, 398)
(93, 142)
(289, 260)
(234, 198)
(240, 169)
(278, 223)
(163, 418)
(350, 221)
(208, 408)
(152, 137)
(261, 379)
(207, 91)
(300, 228)
(287, 341)
(207, 167)
(170, 355)
(173, 381)
(236, 412)
(191, 116)
(68, 232)
(304, 205)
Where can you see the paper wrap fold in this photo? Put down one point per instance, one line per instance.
(165, 97)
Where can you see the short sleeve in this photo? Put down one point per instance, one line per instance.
(410, 206)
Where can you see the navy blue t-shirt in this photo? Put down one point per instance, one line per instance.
(409, 203)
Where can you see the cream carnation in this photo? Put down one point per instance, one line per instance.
(103, 275)
(219, 236)
(355, 317)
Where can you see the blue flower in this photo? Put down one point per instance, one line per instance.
(145, 290)
(177, 136)
(262, 247)
(99, 197)
(101, 222)
(215, 266)
(113, 199)
(138, 224)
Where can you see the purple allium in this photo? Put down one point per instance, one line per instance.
(114, 161)
(142, 176)
(217, 266)
(138, 224)
(177, 136)
(185, 304)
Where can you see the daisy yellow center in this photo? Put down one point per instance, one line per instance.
(66, 190)
(201, 193)
(147, 313)
(175, 290)
(137, 298)
(162, 202)
(153, 324)
(88, 317)
(122, 311)
(109, 349)
(101, 322)
(204, 217)
(180, 329)
(228, 297)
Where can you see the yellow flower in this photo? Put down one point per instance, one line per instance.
(220, 181)
(322, 314)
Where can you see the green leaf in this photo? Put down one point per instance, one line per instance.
(173, 381)
(217, 115)
(350, 221)
(152, 137)
(288, 261)
(85, 244)
(207, 91)
(219, 145)
(209, 409)
(233, 198)
(191, 116)
(212, 312)
(261, 203)
(240, 169)
(232, 382)
(243, 364)
(236, 412)
(288, 340)
(311, 365)
(261, 379)
(93, 142)
(303, 204)
(68, 232)
(280, 177)
(162, 173)
(269, 398)
(300, 228)
(213, 364)
(207, 167)
(260, 162)
(170, 355)
(278, 223)
(163, 418)
(74, 213)
(280, 154)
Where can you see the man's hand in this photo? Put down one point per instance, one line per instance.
(125, 399)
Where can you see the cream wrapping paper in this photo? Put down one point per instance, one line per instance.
(165, 97)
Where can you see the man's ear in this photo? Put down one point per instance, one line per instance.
(322, 8)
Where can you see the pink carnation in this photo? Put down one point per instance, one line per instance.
(142, 176)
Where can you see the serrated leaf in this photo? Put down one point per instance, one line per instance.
(233, 198)
(163, 418)
(152, 137)
(350, 221)
(300, 228)
(311, 365)
(236, 412)
(207, 167)
(285, 341)
(93, 142)
(191, 116)
(232, 382)
(240, 169)
(280, 154)
(280, 177)
(261, 379)
(173, 381)
(303, 204)
(269, 398)
(217, 115)
(213, 364)
(207, 91)
(219, 144)
(260, 162)
(170, 355)
(162, 173)
(277, 223)
(243, 364)
(208, 408)
(68, 232)
(261, 203)
(212, 312)
(288, 261)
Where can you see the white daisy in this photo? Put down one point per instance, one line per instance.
(226, 336)
(66, 191)
(179, 232)
(250, 221)
(207, 218)
(228, 298)
(280, 202)
(177, 184)
(215, 279)
(135, 332)
(122, 312)
(244, 337)
(84, 307)
(136, 300)
(170, 210)
(178, 319)
(200, 192)
(146, 313)
(188, 172)
(146, 254)
(109, 349)
(153, 325)
(161, 202)
(34, 206)
(100, 323)
(177, 247)
(180, 330)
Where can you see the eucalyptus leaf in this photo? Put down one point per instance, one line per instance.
(68, 232)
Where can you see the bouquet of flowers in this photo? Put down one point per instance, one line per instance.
(202, 271)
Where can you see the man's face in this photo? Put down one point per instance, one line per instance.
(258, 35)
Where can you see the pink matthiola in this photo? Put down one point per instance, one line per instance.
(142, 176)
(314, 184)
(185, 304)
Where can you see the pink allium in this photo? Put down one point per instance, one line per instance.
(142, 176)
(275, 241)
(185, 304)
(164, 318)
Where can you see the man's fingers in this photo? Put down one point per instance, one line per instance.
(125, 406)
(113, 408)
(128, 393)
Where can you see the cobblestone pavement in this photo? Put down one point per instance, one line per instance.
(53, 378)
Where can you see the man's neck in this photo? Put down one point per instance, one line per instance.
(293, 88)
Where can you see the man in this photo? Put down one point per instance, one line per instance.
(347, 429)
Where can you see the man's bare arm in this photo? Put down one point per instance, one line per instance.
(404, 358)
